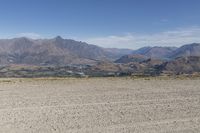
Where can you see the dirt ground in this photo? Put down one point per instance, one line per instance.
(99, 105)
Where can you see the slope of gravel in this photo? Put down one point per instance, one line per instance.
(99, 105)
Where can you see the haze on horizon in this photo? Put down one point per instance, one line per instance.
(107, 23)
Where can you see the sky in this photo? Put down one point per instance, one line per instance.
(107, 23)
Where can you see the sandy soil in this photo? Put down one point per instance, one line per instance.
(98, 105)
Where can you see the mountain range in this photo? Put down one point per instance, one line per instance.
(56, 51)
(163, 53)
(20, 56)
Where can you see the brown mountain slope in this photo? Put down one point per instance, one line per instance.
(187, 50)
(187, 65)
(131, 58)
(56, 51)
(155, 52)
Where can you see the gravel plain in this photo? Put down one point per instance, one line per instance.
(99, 105)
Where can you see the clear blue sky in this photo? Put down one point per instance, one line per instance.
(104, 22)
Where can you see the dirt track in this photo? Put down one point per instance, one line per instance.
(111, 105)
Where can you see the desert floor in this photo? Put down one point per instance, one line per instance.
(98, 105)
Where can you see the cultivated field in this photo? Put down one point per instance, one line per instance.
(98, 105)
